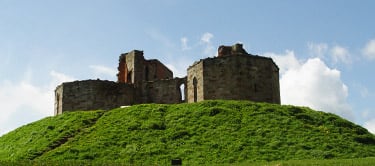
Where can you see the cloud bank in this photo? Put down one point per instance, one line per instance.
(23, 102)
(311, 83)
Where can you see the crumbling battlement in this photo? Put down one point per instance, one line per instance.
(234, 75)
(236, 49)
(134, 68)
(93, 95)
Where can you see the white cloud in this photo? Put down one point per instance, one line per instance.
(313, 84)
(318, 49)
(184, 44)
(340, 54)
(370, 125)
(369, 50)
(209, 48)
(177, 71)
(285, 61)
(58, 78)
(26, 102)
(206, 37)
(23, 97)
(368, 118)
(103, 71)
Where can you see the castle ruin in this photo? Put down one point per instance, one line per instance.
(232, 75)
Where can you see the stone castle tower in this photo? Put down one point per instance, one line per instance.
(234, 75)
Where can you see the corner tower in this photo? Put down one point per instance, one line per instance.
(234, 75)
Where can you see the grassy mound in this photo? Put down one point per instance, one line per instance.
(205, 132)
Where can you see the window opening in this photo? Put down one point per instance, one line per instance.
(195, 89)
(182, 92)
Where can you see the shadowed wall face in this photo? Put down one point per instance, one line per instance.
(134, 68)
(163, 91)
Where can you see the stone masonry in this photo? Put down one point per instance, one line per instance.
(133, 68)
(92, 95)
(233, 75)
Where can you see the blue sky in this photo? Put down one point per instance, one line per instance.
(325, 49)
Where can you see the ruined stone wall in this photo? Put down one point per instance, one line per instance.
(134, 62)
(133, 68)
(122, 70)
(234, 75)
(155, 70)
(93, 95)
(241, 77)
(59, 100)
(236, 49)
(163, 91)
(194, 83)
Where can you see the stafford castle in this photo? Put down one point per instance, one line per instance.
(232, 75)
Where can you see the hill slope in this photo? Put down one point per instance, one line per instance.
(209, 131)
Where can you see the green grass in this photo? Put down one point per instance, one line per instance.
(200, 133)
(30, 141)
(325, 162)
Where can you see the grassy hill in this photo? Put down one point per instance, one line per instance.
(205, 132)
